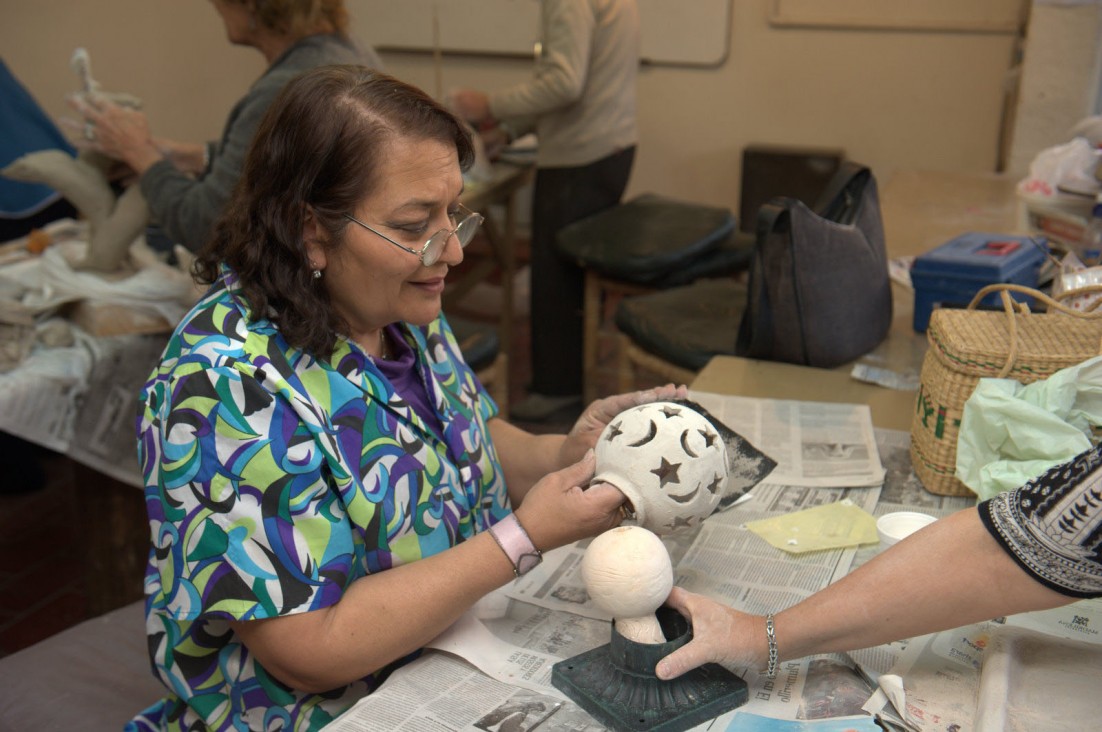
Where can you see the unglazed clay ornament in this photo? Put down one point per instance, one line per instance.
(627, 573)
(675, 463)
(114, 223)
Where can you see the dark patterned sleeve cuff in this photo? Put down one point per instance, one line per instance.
(1052, 525)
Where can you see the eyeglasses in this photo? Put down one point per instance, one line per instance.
(430, 253)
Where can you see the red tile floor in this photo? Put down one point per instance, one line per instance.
(54, 572)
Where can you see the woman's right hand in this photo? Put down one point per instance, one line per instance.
(559, 509)
(721, 634)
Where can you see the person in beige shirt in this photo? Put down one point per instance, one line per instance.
(580, 102)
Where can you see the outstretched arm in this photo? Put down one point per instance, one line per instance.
(949, 574)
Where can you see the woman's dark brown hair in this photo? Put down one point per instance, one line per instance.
(315, 149)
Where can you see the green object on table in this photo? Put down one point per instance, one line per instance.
(1011, 433)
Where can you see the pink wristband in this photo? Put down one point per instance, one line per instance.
(514, 541)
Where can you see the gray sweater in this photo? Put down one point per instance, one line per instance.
(185, 207)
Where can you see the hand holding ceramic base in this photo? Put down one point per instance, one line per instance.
(628, 574)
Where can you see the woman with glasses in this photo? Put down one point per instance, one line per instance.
(328, 485)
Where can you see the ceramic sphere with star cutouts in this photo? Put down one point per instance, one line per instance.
(669, 461)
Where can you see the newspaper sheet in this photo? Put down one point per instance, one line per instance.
(517, 634)
(495, 670)
(40, 398)
(935, 681)
(81, 400)
(103, 426)
(814, 443)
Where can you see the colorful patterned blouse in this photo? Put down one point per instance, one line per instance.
(274, 481)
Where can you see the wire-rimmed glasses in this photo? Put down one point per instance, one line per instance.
(430, 253)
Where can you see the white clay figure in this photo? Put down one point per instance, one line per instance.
(627, 572)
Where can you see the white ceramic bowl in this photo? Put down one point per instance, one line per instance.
(892, 527)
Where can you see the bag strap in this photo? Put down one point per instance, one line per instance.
(840, 200)
(1012, 307)
(755, 333)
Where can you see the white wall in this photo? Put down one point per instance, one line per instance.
(894, 99)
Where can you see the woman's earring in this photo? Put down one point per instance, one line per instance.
(317, 274)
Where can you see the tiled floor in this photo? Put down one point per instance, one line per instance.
(53, 569)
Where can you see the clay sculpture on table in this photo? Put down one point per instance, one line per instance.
(676, 463)
(627, 573)
(114, 222)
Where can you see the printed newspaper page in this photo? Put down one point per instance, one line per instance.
(814, 443)
(516, 635)
(81, 400)
(40, 398)
(935, 681)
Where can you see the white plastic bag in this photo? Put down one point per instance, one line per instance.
(1070, 165)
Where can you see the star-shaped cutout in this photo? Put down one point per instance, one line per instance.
(614, 431)
(667, 472)
(709, 437)
(670, 411)
(680, 522)
(713, 487)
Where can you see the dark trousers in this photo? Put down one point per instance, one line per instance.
(562, 196)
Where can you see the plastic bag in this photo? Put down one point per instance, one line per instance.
(1074, 275)
(1010, 433)
(1070, 165)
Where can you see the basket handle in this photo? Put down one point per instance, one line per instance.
(1011, 307)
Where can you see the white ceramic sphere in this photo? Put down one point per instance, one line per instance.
(669, 461)
(627, 572)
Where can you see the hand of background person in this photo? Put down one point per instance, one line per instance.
(188, 157)
(586, 431)
(118, 132)
(721, 634)
(471, 105)
(560, 510)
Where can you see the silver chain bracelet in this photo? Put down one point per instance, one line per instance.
(771, 636)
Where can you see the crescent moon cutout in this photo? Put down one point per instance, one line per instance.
(649, 436)
(684, 498)
(685, 444)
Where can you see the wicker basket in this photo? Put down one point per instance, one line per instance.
(967, 345)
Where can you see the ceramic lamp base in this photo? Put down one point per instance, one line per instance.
(616, 684)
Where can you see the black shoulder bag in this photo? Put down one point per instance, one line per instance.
(819, 291)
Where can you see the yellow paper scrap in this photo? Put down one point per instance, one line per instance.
(833, 526)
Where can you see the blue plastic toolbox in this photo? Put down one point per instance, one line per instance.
(954, 272)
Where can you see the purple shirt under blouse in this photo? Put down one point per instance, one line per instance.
(403, 375)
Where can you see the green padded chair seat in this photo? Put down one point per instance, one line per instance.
(478, 341)
(687, 325)
(648, 238)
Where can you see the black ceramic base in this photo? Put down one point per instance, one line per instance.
(616, 683)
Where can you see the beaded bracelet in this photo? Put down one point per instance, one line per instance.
(771, 636)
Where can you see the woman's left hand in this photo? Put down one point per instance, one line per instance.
(583, 436)
(118, 132)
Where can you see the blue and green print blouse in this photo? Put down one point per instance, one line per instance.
(273, 481)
